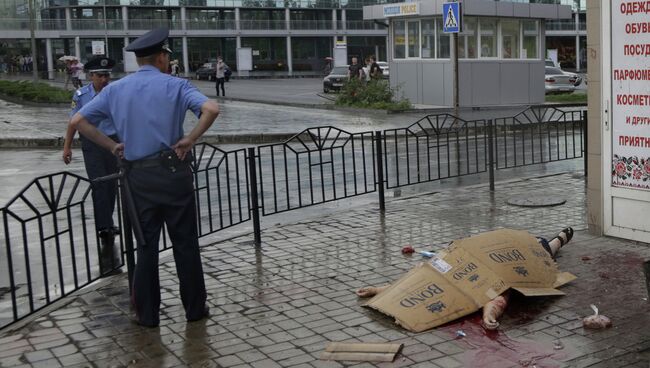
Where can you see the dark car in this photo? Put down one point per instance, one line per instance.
(334, 81)
(207, 71)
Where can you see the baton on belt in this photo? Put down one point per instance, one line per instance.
(131, 221)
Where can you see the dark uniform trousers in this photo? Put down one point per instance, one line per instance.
(100, 162)
(164, 195)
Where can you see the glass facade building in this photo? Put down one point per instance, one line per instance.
(286, 37)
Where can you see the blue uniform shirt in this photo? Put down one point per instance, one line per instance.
(81, 98)
(147, 109)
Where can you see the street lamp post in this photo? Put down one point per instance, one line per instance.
(105, 30)
(32, 34)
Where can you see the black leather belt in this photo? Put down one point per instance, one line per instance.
(166, 158)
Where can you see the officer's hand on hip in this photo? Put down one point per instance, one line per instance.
(182, 147)
(67, 156)
(118, 150)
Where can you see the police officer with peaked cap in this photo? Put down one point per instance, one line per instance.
(147, 109)
(99, 162)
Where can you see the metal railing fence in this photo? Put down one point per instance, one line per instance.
(433, 148)
(319, 165)
(50, 244)
(48, 232)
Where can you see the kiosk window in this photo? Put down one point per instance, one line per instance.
(428, 38)
(467, 44)
(531, 35)
(413, 39)
(444, 42)
(488, 39)
(399, 39)
(510, 39)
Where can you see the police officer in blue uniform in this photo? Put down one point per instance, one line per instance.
(147, 109)
(99, 162)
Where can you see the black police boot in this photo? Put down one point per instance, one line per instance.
(109, 260)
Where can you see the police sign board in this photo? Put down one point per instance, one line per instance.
(451, 17)
(401, 9)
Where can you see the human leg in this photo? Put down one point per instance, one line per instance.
(221, 82)
(145, 188)
(99, 162)
(180, 218)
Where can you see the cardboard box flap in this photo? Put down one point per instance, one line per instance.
(563, 278)
(471, 276)
(513, 255)
(367, 352)
(538, 291)
(423, 299)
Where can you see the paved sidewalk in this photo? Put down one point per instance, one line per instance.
(279, 307)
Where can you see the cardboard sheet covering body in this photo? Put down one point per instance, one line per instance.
(468, 274)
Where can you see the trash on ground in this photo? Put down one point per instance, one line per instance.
(407, 249)
(558, 345)
(586, 258)
(596, 321)
(367, 352)
(460, 333)
(466, 276)
(426, 254)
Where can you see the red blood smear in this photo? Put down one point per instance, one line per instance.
(493, 349)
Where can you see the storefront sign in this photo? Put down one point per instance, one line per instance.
(630, 96)
(98, 47)
(398, 10)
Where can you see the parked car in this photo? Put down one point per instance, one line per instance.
(551, 63)
(384, 69)
(207, 71)
(335, 79)
(556, 81)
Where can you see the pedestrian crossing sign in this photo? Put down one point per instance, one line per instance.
(451, 17)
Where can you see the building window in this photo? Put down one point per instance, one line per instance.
(428, 38)
(531, 46)
(399, 39)
(509, 39)
(467, 44)
(488, 37)
(413, 38)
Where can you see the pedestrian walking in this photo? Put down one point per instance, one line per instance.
(76, 68)
(221, 76)
(175, 68)
(375, 70)
(147, 109)
(99, 162)
(355, 71)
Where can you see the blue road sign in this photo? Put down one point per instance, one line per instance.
(451, 17)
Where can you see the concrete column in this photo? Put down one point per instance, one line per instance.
(68, 19)
(238, 42)
(125, 18)
(289, 56)
(183, 19)
(578, 53)
(287, 18)
(77, 47)
(186, 59)
(48, 57)
(376, 52)
(343, 25)
(237, 26)
(334, 19)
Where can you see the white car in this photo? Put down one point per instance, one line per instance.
(553, 64)
(556, 81)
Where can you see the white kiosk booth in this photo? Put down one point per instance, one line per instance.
(619, 119)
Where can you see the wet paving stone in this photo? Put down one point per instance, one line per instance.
(282, 306)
